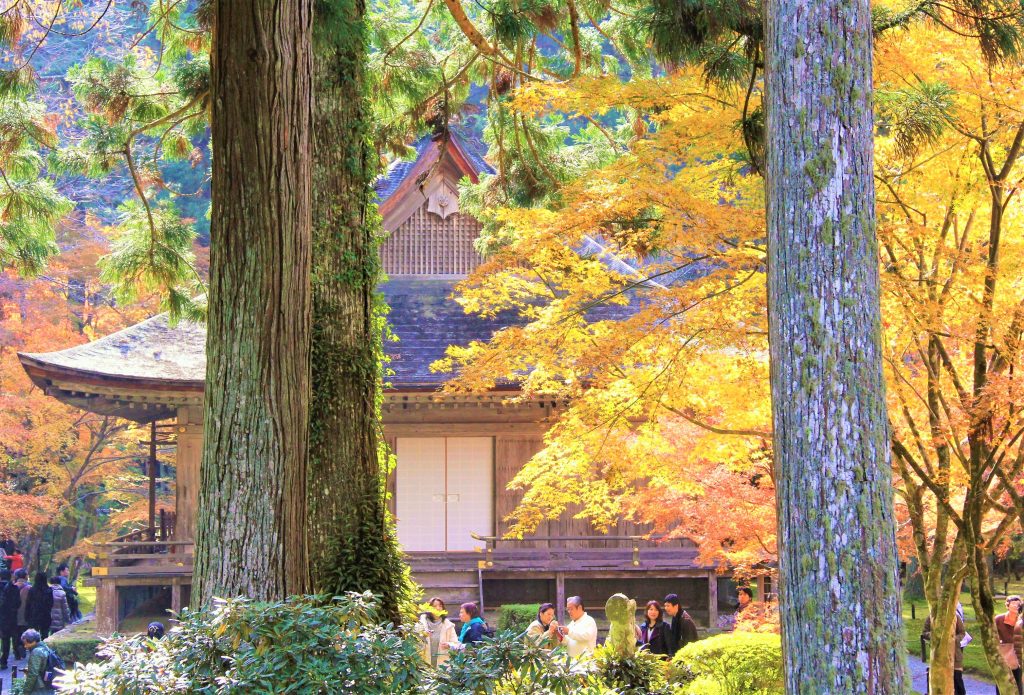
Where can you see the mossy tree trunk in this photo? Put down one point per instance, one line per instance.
(840, 602)
(251, 529)
(352, 541)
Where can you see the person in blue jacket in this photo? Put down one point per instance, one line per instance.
(472, 626)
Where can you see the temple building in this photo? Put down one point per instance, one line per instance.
(456, 453)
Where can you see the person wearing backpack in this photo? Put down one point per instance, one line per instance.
(42, 667)
(64, 574)
(10, 601)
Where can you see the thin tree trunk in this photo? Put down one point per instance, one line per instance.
(840, 601)
(352, 542)
(943, 641)
(250, 536)
(943, 576)
(980, 435)
(983, 599)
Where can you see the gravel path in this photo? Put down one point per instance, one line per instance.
(974, 686)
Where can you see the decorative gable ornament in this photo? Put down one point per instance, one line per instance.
(444, 201)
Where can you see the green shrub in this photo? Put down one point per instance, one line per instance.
(643, 673)
(738, 663)
(303, 645)
(510, 665)
(76, 649)
(517, 616)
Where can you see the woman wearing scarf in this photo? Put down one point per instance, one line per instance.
(655, 633)
(472, 626)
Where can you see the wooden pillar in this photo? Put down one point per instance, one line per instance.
(759, 582)
(189, 431)
(176, 597)
(560, 597)
(106, 608)
(712, 599)
(152, 481)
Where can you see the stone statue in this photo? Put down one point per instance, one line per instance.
(621, 613)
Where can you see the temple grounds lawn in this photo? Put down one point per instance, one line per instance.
(86, 598)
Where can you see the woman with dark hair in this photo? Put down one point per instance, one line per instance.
(439, 632)
(472, 626)
(40, 605)
(655, 634)
(60, 616)
(544, 630)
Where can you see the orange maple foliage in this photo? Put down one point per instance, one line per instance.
(60, 465)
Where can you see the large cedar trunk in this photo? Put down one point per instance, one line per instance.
(250, 535)
(352, 544)
(840, 601)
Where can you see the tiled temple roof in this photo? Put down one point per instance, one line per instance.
(149, 352)
(423, 316)
(154, 356)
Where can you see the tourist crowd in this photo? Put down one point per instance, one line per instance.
(665, 629)
(30, 612)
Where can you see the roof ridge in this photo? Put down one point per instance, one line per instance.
(472, 149)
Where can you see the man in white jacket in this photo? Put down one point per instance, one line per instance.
(581, 633)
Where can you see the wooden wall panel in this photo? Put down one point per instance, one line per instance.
(510, 454)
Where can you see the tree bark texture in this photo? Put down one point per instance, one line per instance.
(252, 506)
(352, 545)
(840, 607)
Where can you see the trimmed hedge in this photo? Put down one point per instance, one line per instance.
(76, 649)
(77, 643)
(517, 616)
(736, 663)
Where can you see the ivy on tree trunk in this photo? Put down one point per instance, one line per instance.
(840, 601)
(352, 539)
(251, 531)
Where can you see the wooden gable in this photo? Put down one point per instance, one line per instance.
(428, 234)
